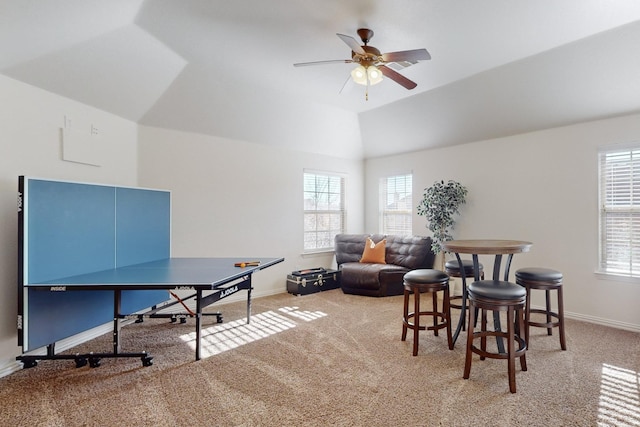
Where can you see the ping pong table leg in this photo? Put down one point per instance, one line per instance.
(116, 321)
(249, 301)
(198, 324)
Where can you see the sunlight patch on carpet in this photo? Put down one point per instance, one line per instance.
(227, 336)
(619, 397)
(302, 314)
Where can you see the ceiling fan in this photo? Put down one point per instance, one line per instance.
(372, 64)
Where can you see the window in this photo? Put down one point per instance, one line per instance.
(324, 211)
(620, 211)
(396, 205)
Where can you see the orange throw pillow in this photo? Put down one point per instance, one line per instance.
(374, 252)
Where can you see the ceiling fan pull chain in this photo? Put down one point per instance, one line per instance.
(366, 90)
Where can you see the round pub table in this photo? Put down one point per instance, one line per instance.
(498, 248)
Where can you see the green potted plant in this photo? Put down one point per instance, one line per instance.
(439, 204)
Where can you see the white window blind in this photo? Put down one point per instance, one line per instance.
(324, 211)
(620, 211)
(396, 205)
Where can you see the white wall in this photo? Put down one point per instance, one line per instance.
(233, 198)
(30, 120)
(541, 187)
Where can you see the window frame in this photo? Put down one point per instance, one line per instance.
(619, 205)
(384, 212)
(341, 211)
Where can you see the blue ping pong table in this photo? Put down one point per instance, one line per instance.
(220, 276)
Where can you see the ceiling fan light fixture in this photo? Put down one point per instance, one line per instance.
(374, 74)
(370, 75)
(359, 75)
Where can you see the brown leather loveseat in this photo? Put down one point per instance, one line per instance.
(402, 254)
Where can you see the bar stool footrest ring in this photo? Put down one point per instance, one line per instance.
(520, 351)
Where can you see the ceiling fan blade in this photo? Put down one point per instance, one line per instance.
(352, 43)
(397, 77)
(331, 61)
(345, 84)
(406, 55)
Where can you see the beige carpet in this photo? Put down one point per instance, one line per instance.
(328, 359)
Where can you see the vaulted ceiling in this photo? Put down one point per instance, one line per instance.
(225, 68)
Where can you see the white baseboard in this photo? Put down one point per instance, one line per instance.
(600, 321)
(9, 366)
(596, 320)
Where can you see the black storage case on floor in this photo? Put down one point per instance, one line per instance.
(305, 282)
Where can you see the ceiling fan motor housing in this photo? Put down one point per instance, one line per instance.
(372, 56)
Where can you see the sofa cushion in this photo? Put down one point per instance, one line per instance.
(374, 252)
(411, 252)
(367, 275)
(350, 247)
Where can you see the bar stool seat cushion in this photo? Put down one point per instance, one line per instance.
(497, 289)
(538, 274)
(453, 266)
(426, 276)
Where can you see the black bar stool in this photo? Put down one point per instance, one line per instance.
(426, 281)
(548, 280)
(496, 296)
(452, 268)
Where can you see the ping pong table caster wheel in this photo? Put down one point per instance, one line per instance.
(183, 320)
(29, 363)
(173, 319)
(94, 362)
(219, 319)
(81, 361)
(147, 360)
